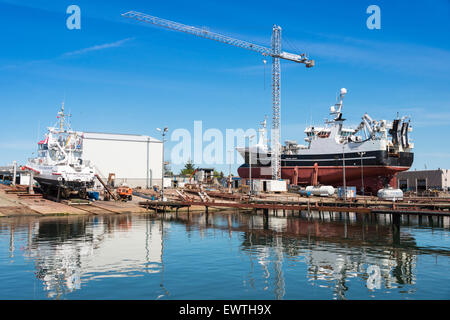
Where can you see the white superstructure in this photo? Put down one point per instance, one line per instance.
(334, 138)
(59, 162)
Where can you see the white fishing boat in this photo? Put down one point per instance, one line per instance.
(59, 165)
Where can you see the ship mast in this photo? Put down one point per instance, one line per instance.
(61, 117)
(337, 108)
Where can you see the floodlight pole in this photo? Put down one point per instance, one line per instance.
(163, 133)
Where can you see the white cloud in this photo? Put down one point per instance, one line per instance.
(98, 47)
(70, 54)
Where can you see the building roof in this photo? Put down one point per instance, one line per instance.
(119, 137)
(422, 173)
(10, 169)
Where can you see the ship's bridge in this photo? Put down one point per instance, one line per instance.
(345, 132)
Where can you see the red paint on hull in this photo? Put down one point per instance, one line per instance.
(375, 177)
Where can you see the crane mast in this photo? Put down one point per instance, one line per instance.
(275, 52)
(276, 104)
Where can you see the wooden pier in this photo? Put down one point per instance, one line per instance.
(162, 205)
(330, 206)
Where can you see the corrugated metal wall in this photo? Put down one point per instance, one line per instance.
(134, 159)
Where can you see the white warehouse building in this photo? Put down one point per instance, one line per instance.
(134, 159)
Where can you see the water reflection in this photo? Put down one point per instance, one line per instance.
(327, 250)
(66, 249)
(336, 246)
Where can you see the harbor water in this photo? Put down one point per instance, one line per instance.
(225, 255)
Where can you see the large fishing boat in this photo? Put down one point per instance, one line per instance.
(59, 165)
(370, 155)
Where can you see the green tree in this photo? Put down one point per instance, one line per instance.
(189, 169)
(218, 175)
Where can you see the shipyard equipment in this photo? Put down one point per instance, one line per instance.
(322, 191)
(390, 193)
(125, 193)
(275, 52)
(108, 191)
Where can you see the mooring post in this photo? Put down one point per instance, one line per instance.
(266, 219)
(396, 228)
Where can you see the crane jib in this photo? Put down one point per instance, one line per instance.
(217, 37)
(274, 51)
(197, 31)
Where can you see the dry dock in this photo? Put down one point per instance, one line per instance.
(294, 202)
(16, 202)
(13, 204)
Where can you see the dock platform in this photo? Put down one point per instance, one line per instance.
(334, 206)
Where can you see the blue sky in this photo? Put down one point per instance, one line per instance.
(117, 75)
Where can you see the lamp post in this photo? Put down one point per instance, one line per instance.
(250, 162)
(13, 182)
(362, 171)
(343, 167)
(163, 133)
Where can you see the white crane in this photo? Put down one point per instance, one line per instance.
(275, 52)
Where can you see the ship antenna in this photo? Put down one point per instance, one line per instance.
(61, 120)
(68, 120)
(61, 125)
(339, 104)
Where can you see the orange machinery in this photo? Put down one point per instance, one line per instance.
(125, 193)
